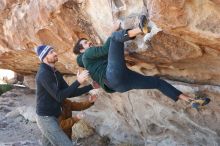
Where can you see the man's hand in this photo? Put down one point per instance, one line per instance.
(95, 85)
(80, 115)
(83, 76)
(92, 98)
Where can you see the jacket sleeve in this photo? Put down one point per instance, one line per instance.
(82, 90)
(97, 52)
(63, 82)
(79, 91)
(52, 88)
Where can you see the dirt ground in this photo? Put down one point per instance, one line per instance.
(18, 131)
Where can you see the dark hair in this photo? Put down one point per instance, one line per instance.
(78, 46)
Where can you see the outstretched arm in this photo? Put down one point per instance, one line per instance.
(51, 86)
(60, 94)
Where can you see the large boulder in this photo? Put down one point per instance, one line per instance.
(184, 47)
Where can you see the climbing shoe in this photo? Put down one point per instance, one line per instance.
(143, 24)
(199, 102)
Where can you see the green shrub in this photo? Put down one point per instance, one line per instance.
(4, 88)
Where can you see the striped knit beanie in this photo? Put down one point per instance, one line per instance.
(42, 51)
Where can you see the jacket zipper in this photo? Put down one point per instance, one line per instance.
(56, 78)
(54, 72)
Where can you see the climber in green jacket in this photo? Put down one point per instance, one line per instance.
(107, 66)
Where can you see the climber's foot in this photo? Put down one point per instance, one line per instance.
(143, 24)
(199, 102)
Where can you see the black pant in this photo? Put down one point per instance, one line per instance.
(121, 79)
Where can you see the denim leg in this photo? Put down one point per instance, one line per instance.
(121, 36)
(121, 79)
(137, 81)
(116, 67)
(51, 130)
(116, 63)
(45, 141)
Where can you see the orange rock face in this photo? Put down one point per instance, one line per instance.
(190, 34)
(187, 48)
(26, 24)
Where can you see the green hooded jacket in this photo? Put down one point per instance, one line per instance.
(95, 60)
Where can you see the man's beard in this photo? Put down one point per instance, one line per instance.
(53, 60)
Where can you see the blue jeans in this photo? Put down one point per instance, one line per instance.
(121, 79)
(52, 134)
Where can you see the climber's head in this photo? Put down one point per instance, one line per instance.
(81, 45)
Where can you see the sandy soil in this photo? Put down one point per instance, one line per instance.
(18, 131)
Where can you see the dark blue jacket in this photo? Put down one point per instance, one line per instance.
(52, 90)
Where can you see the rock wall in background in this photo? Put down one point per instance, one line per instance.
(187, 49)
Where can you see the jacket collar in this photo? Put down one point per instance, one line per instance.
(47, 67)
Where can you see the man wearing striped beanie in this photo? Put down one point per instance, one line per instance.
(51, 91)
